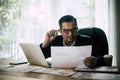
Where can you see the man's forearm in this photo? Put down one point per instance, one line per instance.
(45, 44)
(46, 51)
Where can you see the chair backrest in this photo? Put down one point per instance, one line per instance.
(98, 37)
(97, 34)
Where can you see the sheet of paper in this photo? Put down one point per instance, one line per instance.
(96, 76)
(21, 68)
(40, 69)
(105, 69)
(8, 77)
(69, 57)
(4, 66)
(63, 72)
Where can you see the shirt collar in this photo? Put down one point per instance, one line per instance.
(73, 44)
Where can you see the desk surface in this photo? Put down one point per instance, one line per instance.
(36, 73)
(31, 76)
(6, 75)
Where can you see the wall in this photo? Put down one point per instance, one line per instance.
(118, 31)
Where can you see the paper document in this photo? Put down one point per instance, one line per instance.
(63, 72)
(21, 68)
(8, 77)
(103, 69)
(4, 66)
(69, 57)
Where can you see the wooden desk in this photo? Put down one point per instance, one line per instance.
(40, 76)
(31, 76)
(7, 75)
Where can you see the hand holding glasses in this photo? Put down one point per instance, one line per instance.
(51, 35)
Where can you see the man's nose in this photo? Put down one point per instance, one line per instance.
(70, 33)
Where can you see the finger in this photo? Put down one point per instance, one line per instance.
(56, 33)
(87, 64)
(48, 34)
(94, 62)
(87, 60)
(53, 33)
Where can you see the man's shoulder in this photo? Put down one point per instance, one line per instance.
(58, 41)
(83, 40)
(59, 37)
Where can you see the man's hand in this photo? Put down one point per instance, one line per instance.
(90, 61)
(50, 36)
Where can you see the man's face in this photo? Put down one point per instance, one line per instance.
(68, 32)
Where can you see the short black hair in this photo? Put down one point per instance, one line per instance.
(67, 18)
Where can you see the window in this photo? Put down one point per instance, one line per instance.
(29, 20)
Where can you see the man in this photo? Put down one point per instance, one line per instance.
(70, 37)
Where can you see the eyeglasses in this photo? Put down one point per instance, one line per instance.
(68, 30)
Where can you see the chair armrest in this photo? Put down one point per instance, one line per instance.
(108, 60)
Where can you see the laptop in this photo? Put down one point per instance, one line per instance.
(34, 54)
(69, 57)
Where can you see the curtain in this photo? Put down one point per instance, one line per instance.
(33, 18)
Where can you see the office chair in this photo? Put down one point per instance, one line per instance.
(98, 36)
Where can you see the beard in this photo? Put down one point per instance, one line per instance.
(69, 41)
